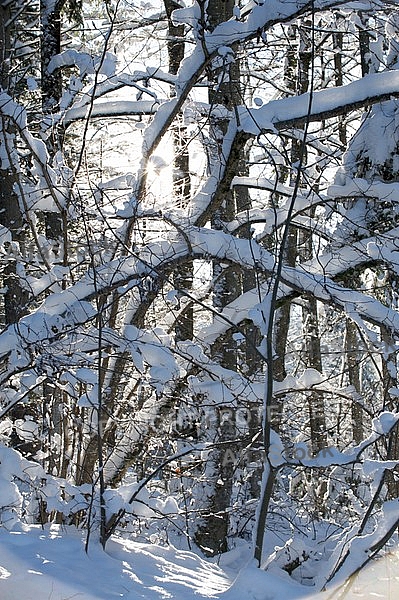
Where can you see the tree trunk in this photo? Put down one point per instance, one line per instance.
(11, 215)
(212, 533)
(183, 279)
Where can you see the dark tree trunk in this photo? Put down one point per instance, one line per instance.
(10, 211)
(212, 534)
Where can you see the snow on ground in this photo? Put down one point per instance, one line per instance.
(378, 581)
(51, 564)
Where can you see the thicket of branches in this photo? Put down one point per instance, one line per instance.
(198, 212)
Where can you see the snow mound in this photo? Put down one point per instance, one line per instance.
(38, 563)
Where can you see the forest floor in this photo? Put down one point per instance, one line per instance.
(51, 564)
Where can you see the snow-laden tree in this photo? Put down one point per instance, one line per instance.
(198, 243)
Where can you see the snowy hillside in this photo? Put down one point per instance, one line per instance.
(50, 563)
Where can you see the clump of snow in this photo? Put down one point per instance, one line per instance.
(85, 62)
(384, 423)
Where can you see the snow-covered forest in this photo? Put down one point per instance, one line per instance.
(199, 215)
